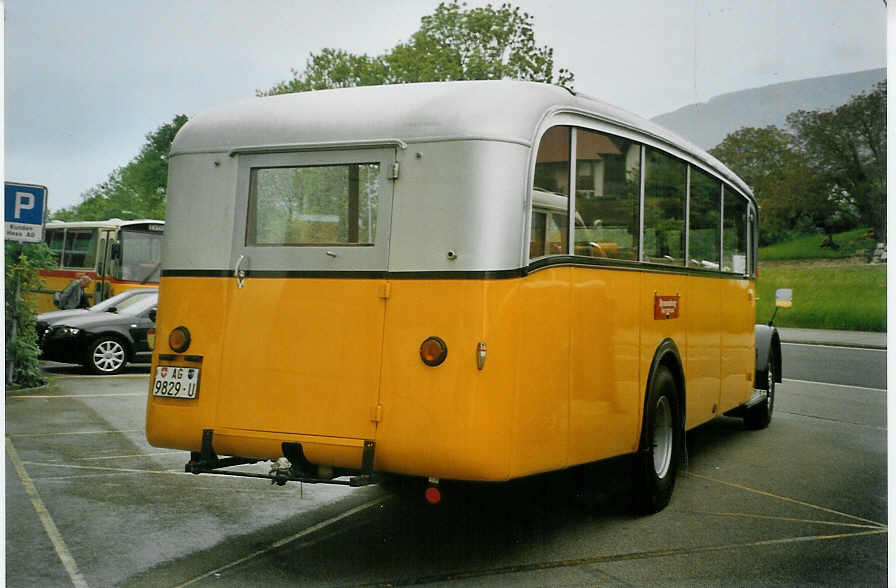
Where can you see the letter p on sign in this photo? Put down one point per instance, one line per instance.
(24, 201)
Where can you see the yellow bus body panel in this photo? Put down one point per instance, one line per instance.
(329, 363)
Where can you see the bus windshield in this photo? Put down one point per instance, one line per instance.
(140, 255)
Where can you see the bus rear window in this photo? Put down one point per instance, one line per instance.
(313, 205)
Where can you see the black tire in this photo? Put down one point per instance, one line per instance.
(759, 416)
(107, 355)
(656, 463)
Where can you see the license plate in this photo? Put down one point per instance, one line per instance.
(176, 382)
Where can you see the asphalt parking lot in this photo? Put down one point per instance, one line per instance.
(89, 503)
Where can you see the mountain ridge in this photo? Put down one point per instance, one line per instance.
(706, 124)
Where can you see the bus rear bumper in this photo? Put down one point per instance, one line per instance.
(293, 466)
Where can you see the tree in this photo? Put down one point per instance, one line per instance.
(136, 190)
(453, 43)
(769, 161)
(847, 150)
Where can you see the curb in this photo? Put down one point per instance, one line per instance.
(34, 389)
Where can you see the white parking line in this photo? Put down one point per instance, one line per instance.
(132, 455)
(54, 434)
(103, 377)
(280, 543)
(97, 395)
(46, 520)
(835, 385)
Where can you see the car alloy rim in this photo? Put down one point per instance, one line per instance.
(108, 356)
(662, 437)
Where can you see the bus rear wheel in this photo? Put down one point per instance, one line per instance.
(656, 463)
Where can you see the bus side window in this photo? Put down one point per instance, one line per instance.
(706, 206)
(80, 248)
(608, 186)
(550, 228)
(55, 240)
(734, 233)
(665, 186)
(538, 236)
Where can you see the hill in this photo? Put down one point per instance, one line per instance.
(706, 124)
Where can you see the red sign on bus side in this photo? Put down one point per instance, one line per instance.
(665, 307)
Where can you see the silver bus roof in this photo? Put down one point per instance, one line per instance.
(499, 110)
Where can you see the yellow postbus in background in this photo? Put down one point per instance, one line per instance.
(116, 254)
(471, 281)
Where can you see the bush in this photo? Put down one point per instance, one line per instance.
(22, 264)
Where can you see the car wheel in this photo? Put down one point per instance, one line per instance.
(656, 463)
(107, 355)
(759, 416)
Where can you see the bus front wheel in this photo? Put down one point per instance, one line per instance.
(760, 416)
(656, 463)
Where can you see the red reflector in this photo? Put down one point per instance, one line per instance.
(433, 496)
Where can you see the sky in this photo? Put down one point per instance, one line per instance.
(85, 81)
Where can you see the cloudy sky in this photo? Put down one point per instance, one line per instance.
(85, 81)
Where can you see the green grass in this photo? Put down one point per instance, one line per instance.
(852, 243)
(850, 297)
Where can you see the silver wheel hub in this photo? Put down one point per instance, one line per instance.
(662, 437)
(108, 356)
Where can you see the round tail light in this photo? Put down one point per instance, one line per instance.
(433, 351)
(179, 339)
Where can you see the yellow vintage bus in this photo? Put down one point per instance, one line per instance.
(472, 281)
(117, 255)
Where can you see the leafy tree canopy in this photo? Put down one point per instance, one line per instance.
(453, 43)
(847, 148)
(136, 190)
(768, 160)
(827, 173)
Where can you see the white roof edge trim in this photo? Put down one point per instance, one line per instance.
(327, 146)
(348, 145)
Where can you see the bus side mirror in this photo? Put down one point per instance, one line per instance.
(783, 299)
(152, 315)
(116, 251)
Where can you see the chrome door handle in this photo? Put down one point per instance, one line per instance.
(239, 274)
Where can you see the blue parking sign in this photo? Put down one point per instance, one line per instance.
(25, 210)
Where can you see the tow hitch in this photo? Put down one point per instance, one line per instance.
(292, 467)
